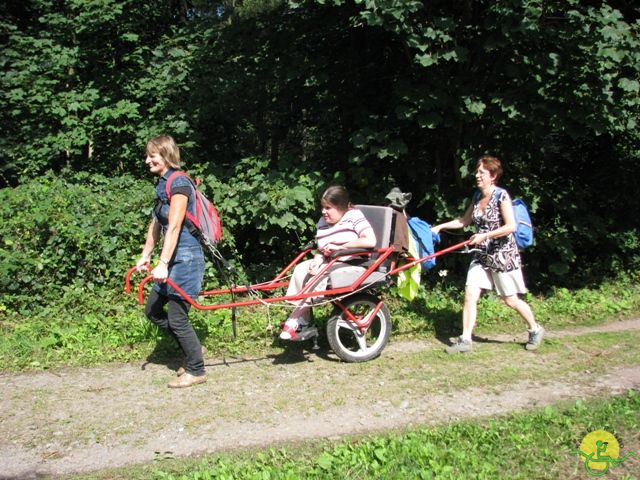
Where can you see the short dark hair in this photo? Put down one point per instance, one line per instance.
(491, 163)
(337, 196)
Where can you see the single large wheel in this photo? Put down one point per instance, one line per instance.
(347, 340)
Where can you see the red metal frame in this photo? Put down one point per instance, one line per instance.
(360, 323)
(278, 282)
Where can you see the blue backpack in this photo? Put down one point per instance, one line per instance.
(524, 226)
(425, 238)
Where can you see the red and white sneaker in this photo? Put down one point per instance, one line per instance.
(292, 327)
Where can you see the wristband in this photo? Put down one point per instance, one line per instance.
(164, 261)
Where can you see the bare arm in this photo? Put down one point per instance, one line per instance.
(456, 223)
(367, 239)
(153, 233)
(177, 211)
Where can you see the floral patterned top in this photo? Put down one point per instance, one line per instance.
(500, 254)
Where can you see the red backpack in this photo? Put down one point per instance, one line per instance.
(205, 225)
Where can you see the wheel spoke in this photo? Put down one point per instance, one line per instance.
(359, 335)
(342, 323)
(361, 338)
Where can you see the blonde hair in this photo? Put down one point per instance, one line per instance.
(166, 146)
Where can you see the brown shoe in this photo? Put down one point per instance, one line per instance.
(181, 371)
(187, 380)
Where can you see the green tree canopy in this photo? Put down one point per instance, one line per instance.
(373, 94)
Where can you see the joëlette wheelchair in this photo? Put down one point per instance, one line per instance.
(359, 325)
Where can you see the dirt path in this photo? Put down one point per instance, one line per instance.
(80, 420)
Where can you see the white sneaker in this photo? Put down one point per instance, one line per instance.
(535, 338)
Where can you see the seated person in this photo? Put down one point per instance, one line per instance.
(341, 227)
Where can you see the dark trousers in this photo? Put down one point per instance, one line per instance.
(175, 321)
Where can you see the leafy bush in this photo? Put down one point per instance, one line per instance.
(268, 213)
(82, 232)
(73, 231)
(67, 241)
(381, 94)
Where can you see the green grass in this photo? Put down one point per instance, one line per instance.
(533, 445)
(87, 329)
(439, 311)
(430, 370)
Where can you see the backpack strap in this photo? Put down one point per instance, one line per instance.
(190, 218)
(496, 192)
(172, 177)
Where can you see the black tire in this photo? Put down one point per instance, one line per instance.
(344, 336)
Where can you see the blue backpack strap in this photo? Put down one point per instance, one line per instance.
(476, 194)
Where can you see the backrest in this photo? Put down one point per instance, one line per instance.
(381, 220)
(389, 225)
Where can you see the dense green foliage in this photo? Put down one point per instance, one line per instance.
(58, 235)
(533, 445)
(81, 232)
(271, 100)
